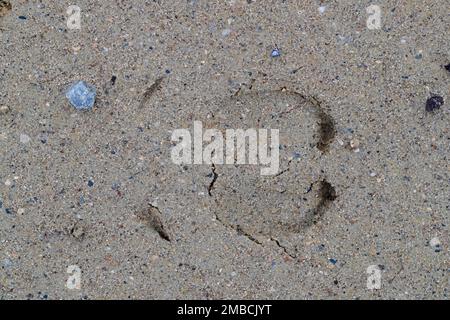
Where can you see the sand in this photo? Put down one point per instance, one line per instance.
(93, 207)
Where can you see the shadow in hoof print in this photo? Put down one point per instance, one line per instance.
(281, 203)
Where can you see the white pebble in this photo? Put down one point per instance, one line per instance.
(435, 242)
(354, 144)
(4, 110)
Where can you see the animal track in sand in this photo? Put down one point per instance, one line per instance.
(278, 207)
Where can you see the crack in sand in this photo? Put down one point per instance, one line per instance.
(215, 176)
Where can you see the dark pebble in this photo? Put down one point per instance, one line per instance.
(22, 18)
(333, 261)
(90, 183)
(43, 296)
(447, 67)
(434, 102)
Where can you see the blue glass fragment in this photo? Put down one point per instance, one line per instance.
(81, 95)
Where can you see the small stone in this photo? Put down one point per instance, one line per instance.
(434, 102)
(4, 109)
(354, 144)
(81, 95)
(77, 231)
(447, 67)
(333, 261)
(322, 9)
(90, 183)
(24, 138)
(435, 243)
(43, 296)
(275, 53)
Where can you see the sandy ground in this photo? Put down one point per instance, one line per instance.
(98, 189)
